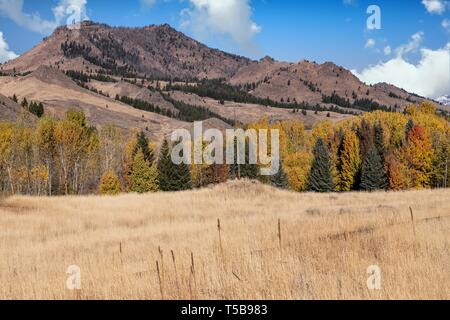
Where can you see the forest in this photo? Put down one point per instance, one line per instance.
(375, 151)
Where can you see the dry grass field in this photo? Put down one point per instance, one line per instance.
(326, 244)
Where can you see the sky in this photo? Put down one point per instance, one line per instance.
(403, 42)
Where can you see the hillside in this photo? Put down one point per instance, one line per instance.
(11, 111)
(59, 93)
(308, 82)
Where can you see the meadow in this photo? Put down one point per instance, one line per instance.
(239, 240)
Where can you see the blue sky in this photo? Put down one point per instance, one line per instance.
(327, 30)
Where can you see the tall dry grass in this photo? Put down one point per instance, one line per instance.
(271, 245)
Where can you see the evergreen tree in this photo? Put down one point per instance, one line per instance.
(373, 176)
(409, 126)
(247, 170)
(143, 145)
(144, 177)
(172, 177)
(24, 103)
(321, 175)
(280, 180)
(37, 109)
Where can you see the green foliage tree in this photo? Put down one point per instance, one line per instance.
(37, 109)
(246, 170)
(144, 177)
(172, 177)
(280, 179)
(143, 145)
(321, 175)
(373, 176)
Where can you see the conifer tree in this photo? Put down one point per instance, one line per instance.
(172, 177)
(280, 179)
(143, 145)
(144, 177)
(247, 170)
(321, 175)
(373, 176)
(409, 126)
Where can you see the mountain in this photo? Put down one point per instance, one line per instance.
(156, 78)
(153, 51)
(444, 100)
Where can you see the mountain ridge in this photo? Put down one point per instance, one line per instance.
(150, 57)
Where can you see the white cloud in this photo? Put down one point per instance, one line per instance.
(446, 24)
(370, 43)
(226, 17)
(430, 77)
(435, 6)
(71, 10)
(387, 50)
(412, 45)
(5, 53)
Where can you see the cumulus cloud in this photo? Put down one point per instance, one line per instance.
(5, 53)
(435, 6)
(430, 77)
(65, 12)
(228, 17)
(387, 50)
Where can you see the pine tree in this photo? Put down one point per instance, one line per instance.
(409, 126)
(37, 109)
(24, 103)
(144, 177)
(143, 145)
(280, 179)
(172, 177)
(109, 184)
(373, 176)
(247, 170)
(321, 175)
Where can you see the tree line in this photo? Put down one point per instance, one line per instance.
(376, 151)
